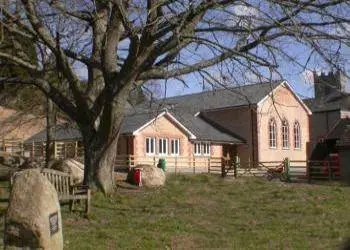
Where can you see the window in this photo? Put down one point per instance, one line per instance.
(272, 134)
(150, 145)
(285, 135)
(202, 148)
(197, 148)
(175, 146)
(163, 146)
(206, 148)
(297, 136)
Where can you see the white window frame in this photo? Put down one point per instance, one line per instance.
(297, 135)
(161, 147)
(173, 144)
(285, 135)
(196, 146)
(147, 140)
(202, 148)
(273, 134)
(206, 148)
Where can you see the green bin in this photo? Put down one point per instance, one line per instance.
(161, 164)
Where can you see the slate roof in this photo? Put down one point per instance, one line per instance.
(220, 98)
(184, 109)
(337, 101)
(63, 132)
(338, 130)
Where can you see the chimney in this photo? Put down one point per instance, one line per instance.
(326, 84)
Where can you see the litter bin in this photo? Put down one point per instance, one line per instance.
(137, 175)
(161, 164)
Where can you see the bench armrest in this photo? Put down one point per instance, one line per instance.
(80, 189)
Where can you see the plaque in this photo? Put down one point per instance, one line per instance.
(53, 219)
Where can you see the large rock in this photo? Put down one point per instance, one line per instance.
(151, 176)
(71, 166)
(33, 163)
(33, 219)
(11, 160)
(10, 163)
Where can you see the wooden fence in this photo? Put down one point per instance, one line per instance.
(62, 150)
(11, 146)
(297, 170)
(323, 170)
(176, 164)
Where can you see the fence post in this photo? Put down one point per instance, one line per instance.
(65, 150)
(287, 168)
(235, 164)
(154, 161)
(33, 149)
(55, 149)
(76, 149)
(129, 161)
(223, 164)
(329, 171)
(175, 165)
(308, 171)
(209, 165)
(194, 162)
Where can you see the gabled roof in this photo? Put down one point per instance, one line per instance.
(163, 114)
(221, 98)
(194, 127)
(286, 85)
(183, 109)
(205, 131)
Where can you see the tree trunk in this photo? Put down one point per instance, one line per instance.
(99, 161)
(50, 131)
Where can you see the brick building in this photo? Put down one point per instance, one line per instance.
(260, 122)
(330, 112)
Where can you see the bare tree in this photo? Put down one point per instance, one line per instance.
(126, 43)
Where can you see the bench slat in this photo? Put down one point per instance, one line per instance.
(63, 183)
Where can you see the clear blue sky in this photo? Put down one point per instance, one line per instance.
(294, 74)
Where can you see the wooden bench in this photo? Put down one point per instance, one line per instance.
(66, 190)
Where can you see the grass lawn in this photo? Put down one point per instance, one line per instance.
(206, 211)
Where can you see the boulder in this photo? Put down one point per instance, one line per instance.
(33, 219)
(151, 176)
(9, 163)
(11, 160)
(32, 163)
(71, 166)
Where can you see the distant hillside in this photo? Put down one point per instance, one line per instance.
(19, 125)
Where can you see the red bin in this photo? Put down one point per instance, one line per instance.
(137, 177)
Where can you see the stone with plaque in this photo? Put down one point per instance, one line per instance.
(33, 218)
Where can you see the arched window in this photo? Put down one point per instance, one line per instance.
(272, 134)
(285, 134)
(297, 136)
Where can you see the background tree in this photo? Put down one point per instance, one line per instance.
(126, 43)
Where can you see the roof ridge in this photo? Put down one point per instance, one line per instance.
(221, 89)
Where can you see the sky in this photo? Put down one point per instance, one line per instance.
(298, 77)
